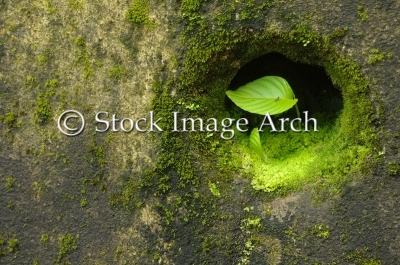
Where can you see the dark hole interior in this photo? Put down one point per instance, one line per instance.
(311, 86)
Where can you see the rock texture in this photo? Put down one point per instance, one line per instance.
(179, 198)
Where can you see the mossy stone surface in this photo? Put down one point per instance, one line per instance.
(192, 198)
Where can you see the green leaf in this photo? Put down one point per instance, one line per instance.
(270, 94)
(255, 144)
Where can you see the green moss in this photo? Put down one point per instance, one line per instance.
(362, 257)
(118, 250)
(84, 202)
(169, 215)
(190, 5)
(45, 57)
(52, 83)
(13, 245)
(66, 244)
(139, 11)
(337, 33)
(42, 59)
(209, 67)
(393, 168)
(117, 72)
(326, 158)
(30, 82)
(190, 164)
(321, 231)
(44, 239)
(80, 41)
(9, 184)
(84, 60)
(43, 107)
(156, 256)
(375, 56)
(49, 6)
(11, 28)
(10, 205)
(292, 157)
(10, 119)
(371, 262)
(214, 189)
(223, 17)
(75, 4)
(362, 13)
(163, 184)
(98, 151)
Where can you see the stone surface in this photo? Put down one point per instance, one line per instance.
(89, 199)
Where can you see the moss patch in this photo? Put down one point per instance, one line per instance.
(342, 147)
(139, 11)
(66, 244)
(206, 165)
(43, 107)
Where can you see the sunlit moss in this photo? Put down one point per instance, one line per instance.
(139, 11)
(66, 244)
(344, 146)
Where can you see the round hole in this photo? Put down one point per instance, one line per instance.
(311, 85)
